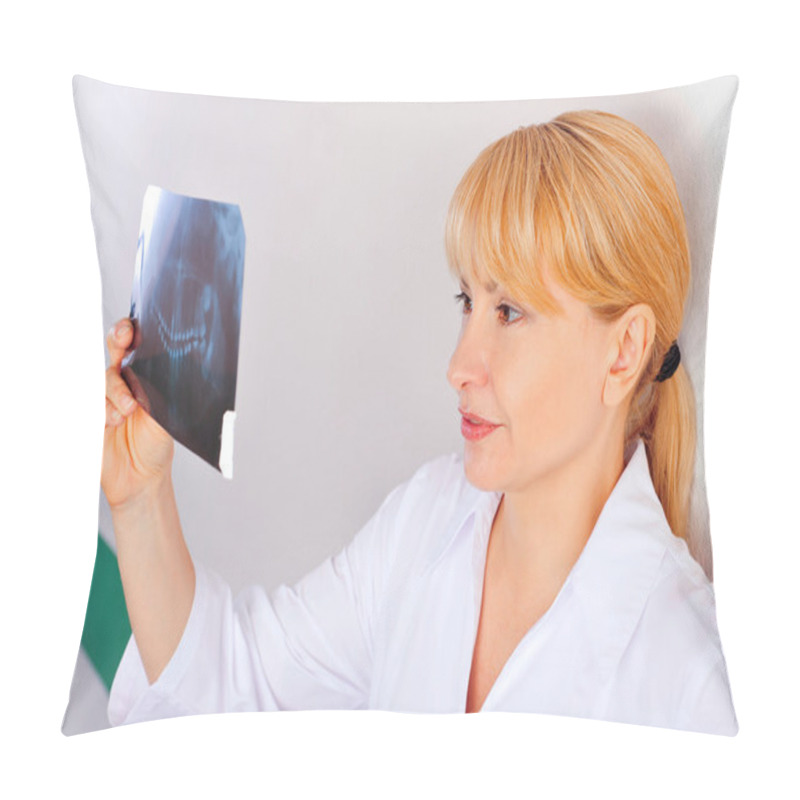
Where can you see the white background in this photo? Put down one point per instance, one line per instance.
(52, 385)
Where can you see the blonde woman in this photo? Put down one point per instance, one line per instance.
(545, 570)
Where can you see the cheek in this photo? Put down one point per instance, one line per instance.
(546, 403)
(558, 398)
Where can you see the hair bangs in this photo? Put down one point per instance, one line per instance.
(491, 235)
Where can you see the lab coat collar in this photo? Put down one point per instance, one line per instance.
(615, 574)
(616, 570)
(470, 512)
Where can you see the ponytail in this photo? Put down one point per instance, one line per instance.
(663, 415)
(671, 448)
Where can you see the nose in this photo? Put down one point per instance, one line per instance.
(468, 362)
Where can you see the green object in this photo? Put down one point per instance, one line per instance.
(106, 629)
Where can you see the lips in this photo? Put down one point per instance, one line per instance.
(473, 427)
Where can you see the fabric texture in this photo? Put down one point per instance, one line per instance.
(347, 315)
(390, 623)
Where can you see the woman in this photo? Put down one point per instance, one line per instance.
(544, 571)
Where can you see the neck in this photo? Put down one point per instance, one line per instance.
(541, 530)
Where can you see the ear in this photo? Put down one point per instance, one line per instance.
(632, 337)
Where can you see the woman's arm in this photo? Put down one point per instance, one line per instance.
(156, 569)
(311, 646)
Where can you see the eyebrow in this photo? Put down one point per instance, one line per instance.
(490, 286)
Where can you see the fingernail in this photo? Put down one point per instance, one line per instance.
(120, 329)
(127, 403)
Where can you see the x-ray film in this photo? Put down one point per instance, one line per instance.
(186, 306)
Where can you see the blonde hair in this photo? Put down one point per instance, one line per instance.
(590, 197)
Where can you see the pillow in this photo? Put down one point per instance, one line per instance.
(346, 320)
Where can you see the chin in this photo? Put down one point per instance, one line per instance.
(482, 472)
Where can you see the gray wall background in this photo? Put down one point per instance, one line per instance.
(348, 319)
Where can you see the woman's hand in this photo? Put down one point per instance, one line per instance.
(154, 564)
(137, 451)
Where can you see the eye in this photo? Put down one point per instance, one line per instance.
(508, 315)
(466, 302)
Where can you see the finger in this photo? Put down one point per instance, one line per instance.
(113, 418)
(136, 389)
(119, 339)
(118, 393)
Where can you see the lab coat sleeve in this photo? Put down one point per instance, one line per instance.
(305, 647)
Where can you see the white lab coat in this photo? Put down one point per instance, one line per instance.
(390, 623)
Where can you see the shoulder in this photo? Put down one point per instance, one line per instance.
(443, 472)
(427, 499)
(681, 603)
(675, 653)
(423, 514)
(439, 487)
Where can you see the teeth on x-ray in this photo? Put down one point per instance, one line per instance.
(186, 300)
(177, 342)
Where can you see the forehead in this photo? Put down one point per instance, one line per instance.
(475, 275)
(487, 284)
(545, 294)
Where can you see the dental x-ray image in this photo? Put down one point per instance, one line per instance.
(186, 307)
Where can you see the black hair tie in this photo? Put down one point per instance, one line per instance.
(669, 364)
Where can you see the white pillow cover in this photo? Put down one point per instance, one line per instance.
(347, 316)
